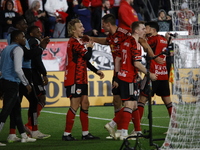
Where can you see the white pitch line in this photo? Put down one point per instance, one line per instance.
(57, 113)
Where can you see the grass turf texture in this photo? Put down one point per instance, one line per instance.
(52, 121)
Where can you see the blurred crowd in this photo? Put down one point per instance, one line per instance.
(53, 15)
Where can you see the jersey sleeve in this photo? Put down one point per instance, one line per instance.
(18, 57)
(136, 51)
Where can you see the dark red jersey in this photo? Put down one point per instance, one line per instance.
(130, 52)
(158, 44)
(76, 66)
(116, 39)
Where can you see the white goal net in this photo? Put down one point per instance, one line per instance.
(184, 127)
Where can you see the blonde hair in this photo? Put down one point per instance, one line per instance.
(71, 26)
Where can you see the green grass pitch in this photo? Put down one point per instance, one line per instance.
(52, 121)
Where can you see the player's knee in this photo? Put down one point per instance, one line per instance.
(85, 104)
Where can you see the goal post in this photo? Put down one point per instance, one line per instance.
(184, 127)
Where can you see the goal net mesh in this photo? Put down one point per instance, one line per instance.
(184, 127)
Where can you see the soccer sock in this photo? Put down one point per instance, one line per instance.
(70, 120)
(124, 132)
(112, 123)
(35, 128)
(118, 117)
(117, 111)
(39, 108)
(141, 109)
(169, 108)
(12, 131)
(136, 120)
(29, 123)
(84, 119)
(34, 122)
(126, 117)
(84, 133)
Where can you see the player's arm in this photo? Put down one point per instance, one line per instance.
(17, 58)
(39, 65)
(141, 67)
(136, 57)
(88, 53)
(95, 70)
(149, 50)
(101, 41)
(117, 63)
(117, 68)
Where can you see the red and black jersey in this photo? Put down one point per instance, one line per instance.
(130, 52)
(76, 65)
(158, 43)
(115, 41)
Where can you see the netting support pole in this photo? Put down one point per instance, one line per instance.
(150, 131)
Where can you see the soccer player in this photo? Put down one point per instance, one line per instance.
(39, 72)
(158, 43)
(129, 58)
(11, 76)
(76, 82)
(19, 23)
(116, 36)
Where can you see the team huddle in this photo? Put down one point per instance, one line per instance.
(128, 98)
(25, 73)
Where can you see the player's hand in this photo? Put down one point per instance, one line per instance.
(153, 76)
(159, 60)
(45, 80)
(142, 41)
(85, 38)
(90, 44)
(44, 42)
(101, 74)
(115, 84)
(29, 89)
(144, 44)
(167, 35)
(95, 32)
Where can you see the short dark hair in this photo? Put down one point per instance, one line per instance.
(109, 18)
(153, 24)
(14, 34)
(135, 25)
(31, 28)
(17, 20)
